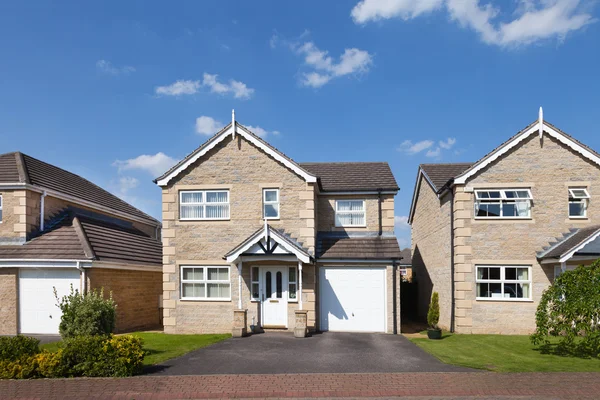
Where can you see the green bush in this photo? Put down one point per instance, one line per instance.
(92, 356)
(13, 348)
(570, 310)
(433, 315)
(86, 314)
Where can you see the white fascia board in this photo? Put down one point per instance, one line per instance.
(127, 267)
(356, 193)
(47, 263)
(413, 204)
(248, 137)
(345, 261)
(580, 246)
(462, 179)
(277, 238)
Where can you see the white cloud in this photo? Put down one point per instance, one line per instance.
(258, 131)
(352, 61)
(434, 152)
(155, 164)
(186, 87)
(107, 68)
(402, 231)
(413, 148)
(127, 183)
(532, 20)
(401, 222)
(447, 144)
(207, 125)
(178, 88)
(239, 89)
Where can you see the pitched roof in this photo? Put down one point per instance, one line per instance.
(374, 248)
(440, 174)
(220, 136)
(352, 176)
(76, 234)
(406, 257)
(570, 242)
(17, 167)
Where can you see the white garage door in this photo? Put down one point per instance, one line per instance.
(353, 299)
(37, 305)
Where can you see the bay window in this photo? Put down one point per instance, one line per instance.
(205, 283)
(513, 203)
(503, 282)
(350, 213)
(578, 202)
(204, 205)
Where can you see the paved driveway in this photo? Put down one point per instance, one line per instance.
(281, 353)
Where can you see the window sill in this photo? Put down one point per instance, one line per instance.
(206, 300)
(503, 220)
(513, 300)
(578, 218)
(350, 226)
(203, 219)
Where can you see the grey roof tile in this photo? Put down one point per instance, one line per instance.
(568, 242)
(353, 176)
(440, 174)
(357, 248)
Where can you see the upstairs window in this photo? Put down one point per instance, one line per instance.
(271, 203)
(512, 203)
(350, 213)
(578, 202)
(0, 208)
(204, 205)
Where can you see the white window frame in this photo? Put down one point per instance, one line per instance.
(364, 211)
(203, 204)
(254, 280)
(503, 199)
(503, 281)
(575, 198)
(205, 281)
(275, 203)
(1, 213)
(291, 300)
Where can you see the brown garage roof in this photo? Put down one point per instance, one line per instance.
(440, 174)
(364, 248)
(17, 167)
(77, 234)
(352, 176)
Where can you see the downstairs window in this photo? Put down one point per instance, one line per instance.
(503, 282)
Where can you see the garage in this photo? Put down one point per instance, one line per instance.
(352, 299)
(38, 312)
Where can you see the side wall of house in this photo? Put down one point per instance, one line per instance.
(548, 169)
(326, 213)
(136, 294)
(20, 215)
(9, 278)
(245, 171)
(431, 251)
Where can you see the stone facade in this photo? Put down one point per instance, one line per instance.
(548, 169)
(8, 301)
(431, 251)
(136, 294)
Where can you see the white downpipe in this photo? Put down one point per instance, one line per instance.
(240, 285)
(300, 285)
(83, 285)
(42, 197)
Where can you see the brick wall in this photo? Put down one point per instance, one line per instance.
(431, 251)
(136, 294)
(326, 213)
(8, 301)
(547, 169)
(244, 170)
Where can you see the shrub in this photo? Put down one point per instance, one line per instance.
(13, 348)
(570, 310)
(49, 365)
(86, 314)
(433, 315)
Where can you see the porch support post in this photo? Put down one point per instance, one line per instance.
(239, 266)
(300, 285)
(563, 267)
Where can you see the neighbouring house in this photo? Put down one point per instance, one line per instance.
(405, 264)
(284, 245)
(58, 230)
(491, 236)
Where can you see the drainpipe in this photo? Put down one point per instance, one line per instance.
(42, 197)
(452, 296)
(394, 301)
(240, 285)
(380, 213)
(83, 277)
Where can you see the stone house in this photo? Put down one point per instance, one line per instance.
(57, 231)
(490, 236)
(253, 240)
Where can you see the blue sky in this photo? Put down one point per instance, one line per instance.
(116, 91)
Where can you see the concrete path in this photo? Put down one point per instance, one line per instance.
(281, 353)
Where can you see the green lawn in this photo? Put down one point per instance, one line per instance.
(501, 353)
(162, 347)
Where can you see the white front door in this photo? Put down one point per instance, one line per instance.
(353, 299)
(275, 282)
(38, 312)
